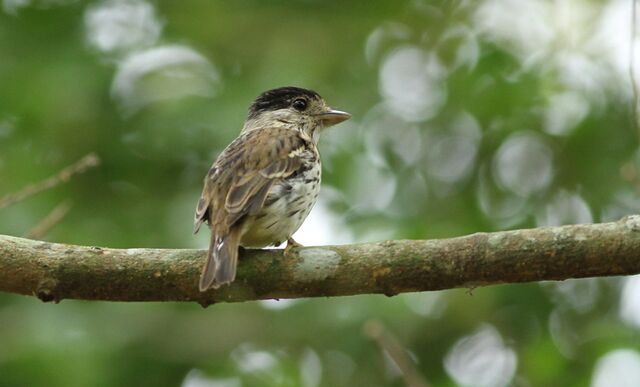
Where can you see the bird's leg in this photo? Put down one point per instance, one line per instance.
(291, 244)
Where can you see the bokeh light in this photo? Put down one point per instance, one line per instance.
(481, 359)
(620, 368)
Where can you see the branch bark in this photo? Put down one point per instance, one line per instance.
(53, 272)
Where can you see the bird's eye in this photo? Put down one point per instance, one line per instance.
(300, 104)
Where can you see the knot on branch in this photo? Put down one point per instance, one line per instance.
(46, 290)
(632, 222)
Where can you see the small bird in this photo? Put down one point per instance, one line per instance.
(263, 185)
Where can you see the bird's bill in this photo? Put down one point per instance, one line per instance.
(332, 117)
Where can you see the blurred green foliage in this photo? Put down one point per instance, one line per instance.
(467, 116)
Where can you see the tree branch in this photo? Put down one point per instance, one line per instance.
(53, 272)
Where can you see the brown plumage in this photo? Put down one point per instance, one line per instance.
(263, 185)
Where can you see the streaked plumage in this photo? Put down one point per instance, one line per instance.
(263, 185)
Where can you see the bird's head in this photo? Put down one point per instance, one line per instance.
(294, 108)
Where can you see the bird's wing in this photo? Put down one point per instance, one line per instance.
(202, 209)
(240, 179)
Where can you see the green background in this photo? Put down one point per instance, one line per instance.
(467, 116)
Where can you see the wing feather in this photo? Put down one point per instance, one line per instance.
(240, 179)
(203, 208)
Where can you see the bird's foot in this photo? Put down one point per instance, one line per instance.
(291, 244)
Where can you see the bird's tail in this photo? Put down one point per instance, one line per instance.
(222, 260)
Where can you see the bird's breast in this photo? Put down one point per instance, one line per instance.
(286, 207)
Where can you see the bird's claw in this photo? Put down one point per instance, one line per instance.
(291, 244)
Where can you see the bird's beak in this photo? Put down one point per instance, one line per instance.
(332, 117)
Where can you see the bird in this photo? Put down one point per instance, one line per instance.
(263, 185)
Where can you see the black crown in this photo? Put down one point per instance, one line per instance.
(279, 98)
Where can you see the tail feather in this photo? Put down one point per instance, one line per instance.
(222, 260)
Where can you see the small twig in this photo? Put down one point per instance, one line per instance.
(399, 355)
(89, 161)
(632, 67)
(54, 217)
(629, 172)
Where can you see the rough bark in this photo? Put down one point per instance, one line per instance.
(53, 272)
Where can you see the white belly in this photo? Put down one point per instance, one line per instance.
(283, 216)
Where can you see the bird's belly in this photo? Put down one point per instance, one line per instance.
(285, 209)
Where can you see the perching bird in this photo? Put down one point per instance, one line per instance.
(263, 185)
